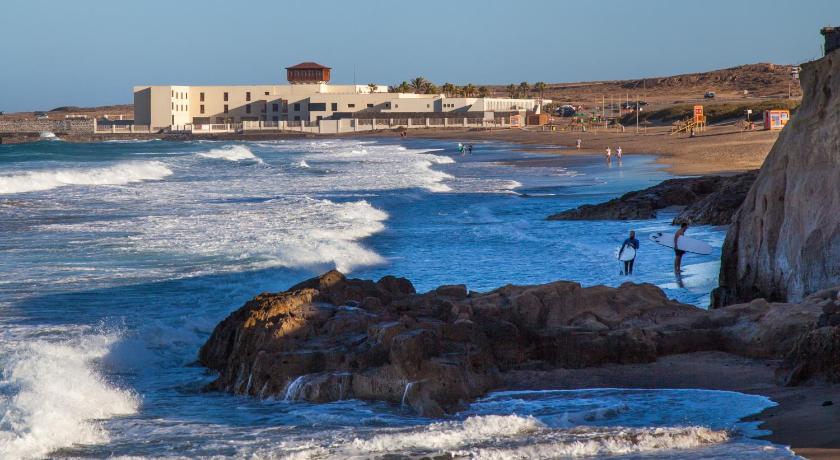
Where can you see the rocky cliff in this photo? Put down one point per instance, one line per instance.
(707, 200)
(785, 241)
(331, 337)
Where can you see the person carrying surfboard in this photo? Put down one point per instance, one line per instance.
(631, 242)
(678, 253)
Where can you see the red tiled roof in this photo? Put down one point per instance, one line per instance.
(308, 66)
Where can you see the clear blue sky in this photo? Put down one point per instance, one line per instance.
(91, 52)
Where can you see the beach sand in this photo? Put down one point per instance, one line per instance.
(800, 420)
(717, 150)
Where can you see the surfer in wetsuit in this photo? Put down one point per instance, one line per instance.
(633, 243)
(677, 252)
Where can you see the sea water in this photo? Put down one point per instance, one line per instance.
(119, 258)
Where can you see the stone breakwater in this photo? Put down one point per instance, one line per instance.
(707, 200)
(54, 126)
(332, 338)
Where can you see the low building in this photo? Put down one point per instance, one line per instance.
(309, 97)
(776, 119)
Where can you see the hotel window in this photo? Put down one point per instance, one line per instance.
(248, 96)
(201, 98)
(226, 97)
(396, 106)
(202, 107)
(351, 106)
(296, 107)
(387, 105)
(370, 106)
(247, 108)
(334, 106)
(173, 93)
(173, 106)
(266, 93)
(275, 118)
(275, 108)
(226, 107)
(297, 118)
(264, 105)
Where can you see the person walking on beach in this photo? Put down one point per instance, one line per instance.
(609, 155)
(618, 153)
(632, 242)
(469, 149)
(678, 253)
(579, 142)
(460, 148)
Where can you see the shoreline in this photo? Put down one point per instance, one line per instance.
(799, 420)
(719, 150)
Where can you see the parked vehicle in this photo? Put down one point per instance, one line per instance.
(41, 116)
(565, 111)
(709, 95)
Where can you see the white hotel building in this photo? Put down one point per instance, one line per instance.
(307, 98)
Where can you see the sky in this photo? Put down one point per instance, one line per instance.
(92, 52)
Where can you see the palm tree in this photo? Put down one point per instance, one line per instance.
(469, 90)
(431, 88)
(540, 87)
(418, 84)
(511, 89)
(524, 88)
(372, 87)
(448, 89)
(483, 91)
(403, 87)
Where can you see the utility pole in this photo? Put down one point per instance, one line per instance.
(637, 114)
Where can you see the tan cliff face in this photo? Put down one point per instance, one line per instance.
(784, 243)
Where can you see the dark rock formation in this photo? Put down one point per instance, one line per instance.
(785, 242)
(816, 353)
(711, 200)
(330, 337)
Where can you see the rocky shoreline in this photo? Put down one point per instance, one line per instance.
(706, 200)
(331, 338)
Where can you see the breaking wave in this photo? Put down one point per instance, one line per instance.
(119, 174)
(232, 153)
(51, 394)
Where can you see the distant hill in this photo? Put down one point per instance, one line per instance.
(760, 80)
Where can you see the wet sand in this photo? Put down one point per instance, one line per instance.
(800, 420)
(718, 150)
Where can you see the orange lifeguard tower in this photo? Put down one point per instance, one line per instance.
(696, 123)
(776, 119)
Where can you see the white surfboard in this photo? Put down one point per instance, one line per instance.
(686, 243)
(628, 254)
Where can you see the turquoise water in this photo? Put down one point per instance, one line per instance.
(119, 259)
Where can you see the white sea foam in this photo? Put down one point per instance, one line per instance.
(231, 153)
(596, 442)
(119, 174)
(53, 395)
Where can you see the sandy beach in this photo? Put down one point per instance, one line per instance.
(717, 150)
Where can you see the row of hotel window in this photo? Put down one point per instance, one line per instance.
(313, 107)
(180, 95)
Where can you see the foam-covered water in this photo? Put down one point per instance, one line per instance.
(119, 259)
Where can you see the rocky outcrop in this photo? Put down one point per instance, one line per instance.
(708, 200)
(785, 242)
(816, 354)
(331, 337)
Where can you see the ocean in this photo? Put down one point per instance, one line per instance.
(119, 258)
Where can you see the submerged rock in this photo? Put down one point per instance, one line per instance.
(331, 338)
(785, 242)
(708, 200)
